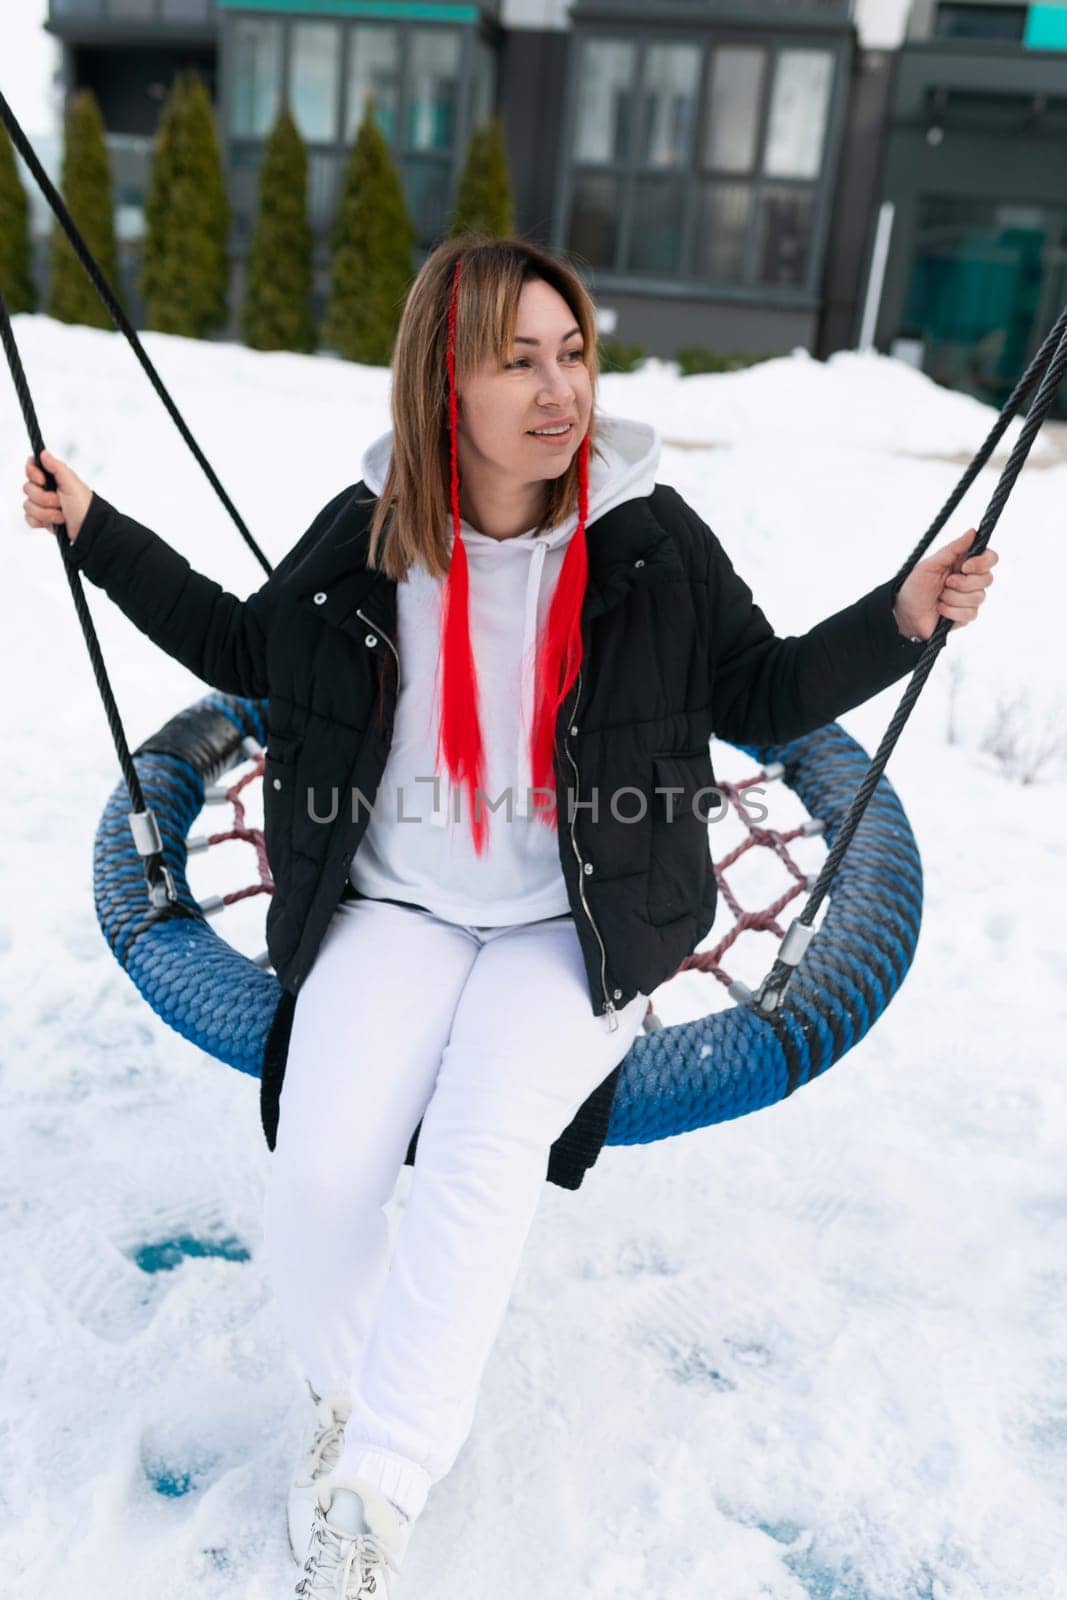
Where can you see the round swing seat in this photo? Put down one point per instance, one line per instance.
(675, 1078)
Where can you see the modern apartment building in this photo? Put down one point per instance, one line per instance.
(687, 154)
(746, 175)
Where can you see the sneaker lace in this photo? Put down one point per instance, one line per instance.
(360, 1557)
(325, 1449)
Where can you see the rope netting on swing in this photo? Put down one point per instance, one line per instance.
(827, 985)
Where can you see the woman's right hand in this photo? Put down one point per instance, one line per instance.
(67, 503)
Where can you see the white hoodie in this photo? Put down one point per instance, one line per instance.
(418, 844)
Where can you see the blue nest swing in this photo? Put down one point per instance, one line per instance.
(825, 988)
(674, 1078)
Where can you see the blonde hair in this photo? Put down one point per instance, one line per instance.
(412, 521)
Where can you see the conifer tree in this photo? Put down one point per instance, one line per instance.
(484, 201)
(161, 178)
(372, 242)
(185, 267)
(277, 303)
(16, 275)
(85, 183)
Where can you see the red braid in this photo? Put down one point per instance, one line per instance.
(459, 739)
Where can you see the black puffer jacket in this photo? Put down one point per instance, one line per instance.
(675, 648)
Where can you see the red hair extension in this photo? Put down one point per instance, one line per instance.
(459, 739)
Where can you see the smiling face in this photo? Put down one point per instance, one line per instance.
(542, 384)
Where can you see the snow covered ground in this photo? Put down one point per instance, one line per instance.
(816, 1352)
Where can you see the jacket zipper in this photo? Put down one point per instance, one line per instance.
(608, 1007)
(381, 671)
(379, 629)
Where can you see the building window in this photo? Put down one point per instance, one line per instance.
(427, 185)
(980, 22)
(800, 100)
(734, 203)
(724, 213)
(656, 239)
(982, 111)
(735, 91)
(373, 69)
(257, 77)
(606, 97)
(483, 101)
(315, 78)
(185, 10)
(427, 83)
(431, 117)
(983, 274)
(323, 177)
(433, 88)
(668, 104)
(246, 161)
(784, 236)
(593, 227)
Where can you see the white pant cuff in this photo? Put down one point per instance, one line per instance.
(403, 1482)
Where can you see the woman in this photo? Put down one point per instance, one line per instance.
(494, 666)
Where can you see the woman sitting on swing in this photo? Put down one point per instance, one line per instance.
(503, 634)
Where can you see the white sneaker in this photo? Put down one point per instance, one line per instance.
(346, 1565)
(322, 1452)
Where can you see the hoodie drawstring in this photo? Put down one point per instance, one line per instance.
(528, 682)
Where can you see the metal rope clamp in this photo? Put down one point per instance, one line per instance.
(147, 839)
(790, 953)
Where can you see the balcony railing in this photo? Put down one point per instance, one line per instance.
(176, 13)
(764, 11)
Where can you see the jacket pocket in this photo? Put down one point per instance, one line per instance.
(279, 794)
(683, 801)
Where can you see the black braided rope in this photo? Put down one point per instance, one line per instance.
(153, 864)
(119, 317)
(1053, 356)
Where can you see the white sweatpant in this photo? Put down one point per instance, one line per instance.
(488, 1035)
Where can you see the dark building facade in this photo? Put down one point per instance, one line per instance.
(975, 184)
(736, 174)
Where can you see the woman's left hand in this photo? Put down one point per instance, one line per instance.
(945, 585)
